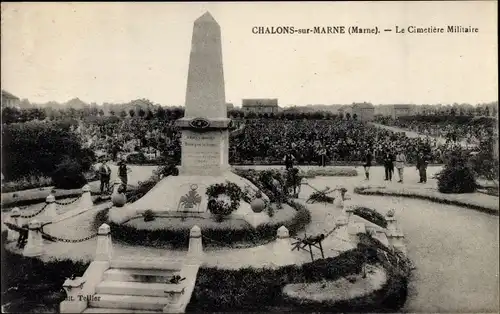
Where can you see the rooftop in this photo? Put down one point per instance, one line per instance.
(7, 95)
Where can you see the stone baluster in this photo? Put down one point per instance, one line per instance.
(195, 250)
(13, 219)
(354, 230)
(282, 248)
(34, 246)
(86, 199)
(50, 212)
(104, 251)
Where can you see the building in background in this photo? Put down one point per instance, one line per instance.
(9, 100)
(401, 111)
(363, 111)
(260, 105)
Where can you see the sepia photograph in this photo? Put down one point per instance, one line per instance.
(308, 157)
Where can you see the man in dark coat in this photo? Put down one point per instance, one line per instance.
(388, 165)
(104, 175)
(422, 162)
(368, 164)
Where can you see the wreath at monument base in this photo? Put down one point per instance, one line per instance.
(223, 199)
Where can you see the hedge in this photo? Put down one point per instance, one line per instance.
(251, 289)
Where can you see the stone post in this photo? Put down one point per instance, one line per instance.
(391, 222)
(354, 230)
(86, 200)
(34, 246)
(282, 248)
(73, 288)
(50, 212)
(195, 250)
(104, 251)
(396, 239)
(14, 216)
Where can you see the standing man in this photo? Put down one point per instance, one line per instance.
(104, 175)
(388, 164)
(368, 164)
(400, 164)
(422, 162)
(123, 171)
(288, 159)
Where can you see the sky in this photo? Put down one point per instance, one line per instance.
(118, 52)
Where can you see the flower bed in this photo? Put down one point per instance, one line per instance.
(172, 229)
(478, 201)
(261, 290)
(329, 172)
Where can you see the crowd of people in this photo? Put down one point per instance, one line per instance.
(267, 141)
(327, 141)
(465, 129)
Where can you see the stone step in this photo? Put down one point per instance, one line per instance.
(111, 310)
(139, 289)
(131, 302)
(139, 275)
(156, 264)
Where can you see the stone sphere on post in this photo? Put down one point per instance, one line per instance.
(195, 232)
(50, 199)
(104, 229)
(282, 233)
(15, 213)
(86, 188)
(258, 205)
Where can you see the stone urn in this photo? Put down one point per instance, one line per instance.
(118, 198)
(258, 204)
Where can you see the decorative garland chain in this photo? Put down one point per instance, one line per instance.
(67, 203)
(68, 240)
(36, 213)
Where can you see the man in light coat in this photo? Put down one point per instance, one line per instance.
(400, 164)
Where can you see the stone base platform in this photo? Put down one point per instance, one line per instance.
(183, 194)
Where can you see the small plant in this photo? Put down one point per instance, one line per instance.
(148, 215)
(371, 215)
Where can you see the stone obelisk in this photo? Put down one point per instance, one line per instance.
(205, 136)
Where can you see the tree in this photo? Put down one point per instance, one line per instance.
(141, 112)
(348, 116)
(149, 114)
(101, 112)
(131, 113)
(160, 113)
(123, 114)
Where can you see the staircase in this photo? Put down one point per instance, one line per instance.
(131, 287)
(127, 285)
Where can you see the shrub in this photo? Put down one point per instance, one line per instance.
(371, 215)
(456, 177)
(68, 175)
(46, 144)
(136, 158)
(26, 183)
